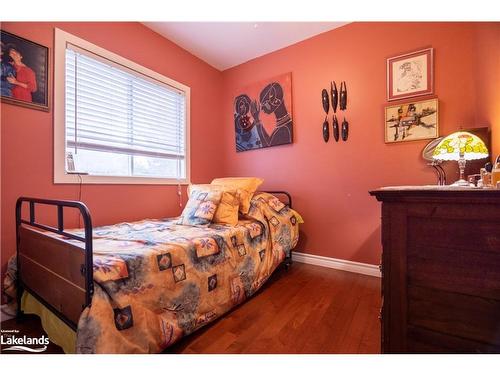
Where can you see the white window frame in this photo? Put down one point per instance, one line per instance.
(62, 38)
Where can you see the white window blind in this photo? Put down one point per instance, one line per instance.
(120, 122)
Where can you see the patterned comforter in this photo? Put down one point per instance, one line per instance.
(156, 281)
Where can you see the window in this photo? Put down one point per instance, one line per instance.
(117, 121)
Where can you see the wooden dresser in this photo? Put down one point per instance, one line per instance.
(440, 270)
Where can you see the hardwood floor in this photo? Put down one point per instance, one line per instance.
(307, 309)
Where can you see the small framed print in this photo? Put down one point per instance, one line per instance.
(410, 75)
(411, 121)
(25, 72)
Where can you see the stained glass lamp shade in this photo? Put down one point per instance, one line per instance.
(460, 146)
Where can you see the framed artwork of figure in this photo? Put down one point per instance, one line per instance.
(263, 114)
(25, 72)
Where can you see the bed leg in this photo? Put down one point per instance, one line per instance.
(19, 311)
(288, 261)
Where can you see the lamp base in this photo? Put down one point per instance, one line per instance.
(461, 183)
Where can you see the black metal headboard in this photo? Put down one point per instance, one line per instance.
(282, 193)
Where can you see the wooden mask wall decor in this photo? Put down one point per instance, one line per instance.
(325, 100)
(335, 128)
(338, 98)
(343, 96)
(335, 96)
(345, 130)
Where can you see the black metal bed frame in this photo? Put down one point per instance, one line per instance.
(87, 268)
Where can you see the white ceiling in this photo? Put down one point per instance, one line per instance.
(227, 44)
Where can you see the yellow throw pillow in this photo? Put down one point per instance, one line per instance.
(245, 187)
(227, 210)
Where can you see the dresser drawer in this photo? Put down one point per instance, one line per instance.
(460, 315)
(452, 270)
(457, 234)
(421, 340)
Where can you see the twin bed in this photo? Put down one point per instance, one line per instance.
(139, 287)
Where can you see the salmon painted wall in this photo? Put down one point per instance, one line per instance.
(330, 181)
(488, 80)
(27, 135)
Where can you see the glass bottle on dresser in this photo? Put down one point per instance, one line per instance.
(495, 173)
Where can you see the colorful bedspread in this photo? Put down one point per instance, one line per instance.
(156, 281)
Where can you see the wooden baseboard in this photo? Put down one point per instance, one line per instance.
(338, 264)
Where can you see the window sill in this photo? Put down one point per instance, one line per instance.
(116, 180)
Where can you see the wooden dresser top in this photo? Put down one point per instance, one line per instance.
(433, 193)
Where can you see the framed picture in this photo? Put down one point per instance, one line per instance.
(25, 72)
(412, 121)
(263, 114)
(410, 75)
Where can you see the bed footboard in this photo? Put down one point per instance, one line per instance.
(54, 270)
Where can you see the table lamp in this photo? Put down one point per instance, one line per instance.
(460, 146)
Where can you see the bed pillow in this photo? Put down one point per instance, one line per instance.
(227, 210)
(245, 187)
(200, 208)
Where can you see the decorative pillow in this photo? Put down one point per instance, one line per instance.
(227, 211)
(200, 208)
(245, 187)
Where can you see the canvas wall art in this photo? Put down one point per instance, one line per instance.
(25, 72)
(410, 75)
(263, 114)
(411, 121)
